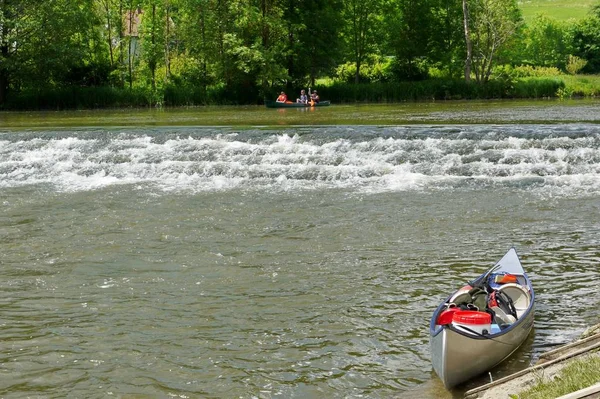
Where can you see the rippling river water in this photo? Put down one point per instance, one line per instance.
(291, 262)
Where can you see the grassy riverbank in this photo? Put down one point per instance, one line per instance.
(579, 374)
(429, 90)
(436, 89)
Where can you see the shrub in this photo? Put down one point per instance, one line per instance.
(575, 64)
(376, 70)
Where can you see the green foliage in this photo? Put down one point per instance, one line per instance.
(582, 86)
(564, 93)
(536, 88)
(411, 23)
(50, 39)
(362, 32)
(547, 42)
(316, 42)
(442, 89)
(586, 37)
(575, 64)
(492, 25)
(240, 51)
(378, 70)
(80, 98)
(153, 37)
(446, 38)
(525, 71)
(338, 92)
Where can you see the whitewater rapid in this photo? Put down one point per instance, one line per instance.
(565, 157)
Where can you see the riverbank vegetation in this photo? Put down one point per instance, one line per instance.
(122, 53)
(578, 374)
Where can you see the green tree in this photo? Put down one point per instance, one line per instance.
(446, 39)
(547, 42)
(50, 44)
(488, 25)
(362, 17)
(255, 45)
(313, 39)
(13, 14)
(409, 28)
(586, 40)
(201, 40)
(109, 15)
(153, 36)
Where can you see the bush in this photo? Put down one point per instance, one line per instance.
(524, 71)
(377, 70)
(575, 64)
(443, 89)
(75, 97)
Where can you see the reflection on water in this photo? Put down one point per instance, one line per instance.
(452, 112)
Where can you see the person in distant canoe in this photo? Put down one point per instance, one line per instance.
(314, 98)
(282, 98)
(303, 99)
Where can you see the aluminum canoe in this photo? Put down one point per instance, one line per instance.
(459, 355)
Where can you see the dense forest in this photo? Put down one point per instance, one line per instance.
(127, 52)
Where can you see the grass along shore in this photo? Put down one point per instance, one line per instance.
(561, 371)
(576, 375)
(435, 89)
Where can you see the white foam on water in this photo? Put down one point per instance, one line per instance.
(294, 162)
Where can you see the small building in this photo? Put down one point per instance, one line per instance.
(132, 21)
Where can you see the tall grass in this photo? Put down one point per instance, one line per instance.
(427, 90)
(75, 97)
(583, 85)
(442, 89)
(79, 98)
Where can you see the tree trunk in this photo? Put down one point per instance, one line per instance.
(291, 38)
(204, 66)
(469, 59)
(167, 52)
(109, 32)
(3, 86)
(152, 63)
(121, 48)
(264, 34)
(4, 54)
(130, 49)
(221, 43)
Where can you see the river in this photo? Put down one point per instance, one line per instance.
(252, 253)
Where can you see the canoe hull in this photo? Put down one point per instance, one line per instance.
(455, 365)
(274, 104)
(458, 356)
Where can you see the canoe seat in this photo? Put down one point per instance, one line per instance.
(520, 296)
(501, 316)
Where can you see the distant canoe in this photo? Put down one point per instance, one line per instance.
(275, 104)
